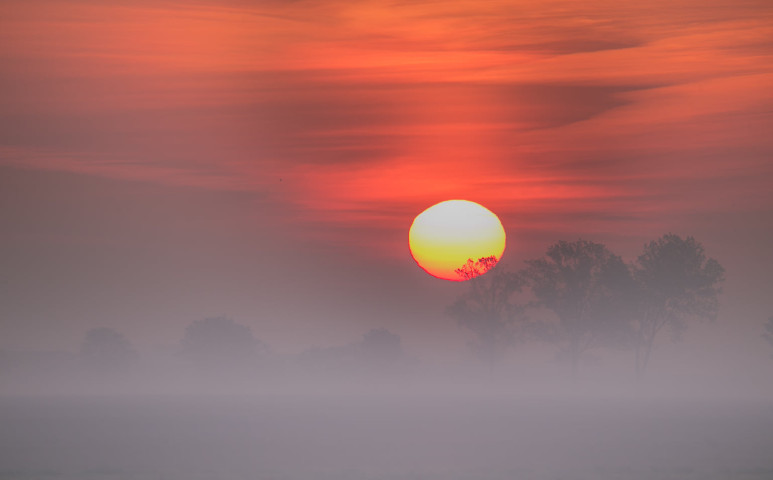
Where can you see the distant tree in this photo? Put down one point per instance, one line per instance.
(486, 308)
(338, 359)
(379, 351)
(768, 335)
(588, 288)
(105, 350)
(380, 346)
(219, 342)
(676, 281)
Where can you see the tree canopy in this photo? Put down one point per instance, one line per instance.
(676, 281)
(586, 286)
(107, 350)
(219, 341)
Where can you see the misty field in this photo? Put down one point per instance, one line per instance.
(369, 437)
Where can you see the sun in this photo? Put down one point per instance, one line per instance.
(456, 240)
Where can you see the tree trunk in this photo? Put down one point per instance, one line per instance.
(637, 365)
(648, 351)
(574, 352)
(644, 338)
(643, 352)
(640, 347)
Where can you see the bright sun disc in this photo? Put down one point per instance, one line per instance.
(444, 237)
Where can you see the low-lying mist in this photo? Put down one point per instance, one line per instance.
(575, 368)
(366, 410)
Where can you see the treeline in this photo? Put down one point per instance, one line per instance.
(596, 298)
(578, 296)
(215, 350)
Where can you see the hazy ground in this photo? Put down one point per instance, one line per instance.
(367, 436)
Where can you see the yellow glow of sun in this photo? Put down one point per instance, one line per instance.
(445, 236)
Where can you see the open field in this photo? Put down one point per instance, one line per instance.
(364, 438)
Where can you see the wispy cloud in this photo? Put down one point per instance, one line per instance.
(368, 111)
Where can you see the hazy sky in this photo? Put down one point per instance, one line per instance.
(165, 161)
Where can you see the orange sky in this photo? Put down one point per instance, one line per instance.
(372, 111)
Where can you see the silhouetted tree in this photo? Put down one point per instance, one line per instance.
(768, 335)
(219, 342)
(486, 308)
(473, 269)
(105, 350)
(588, 288)
(676, 281)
